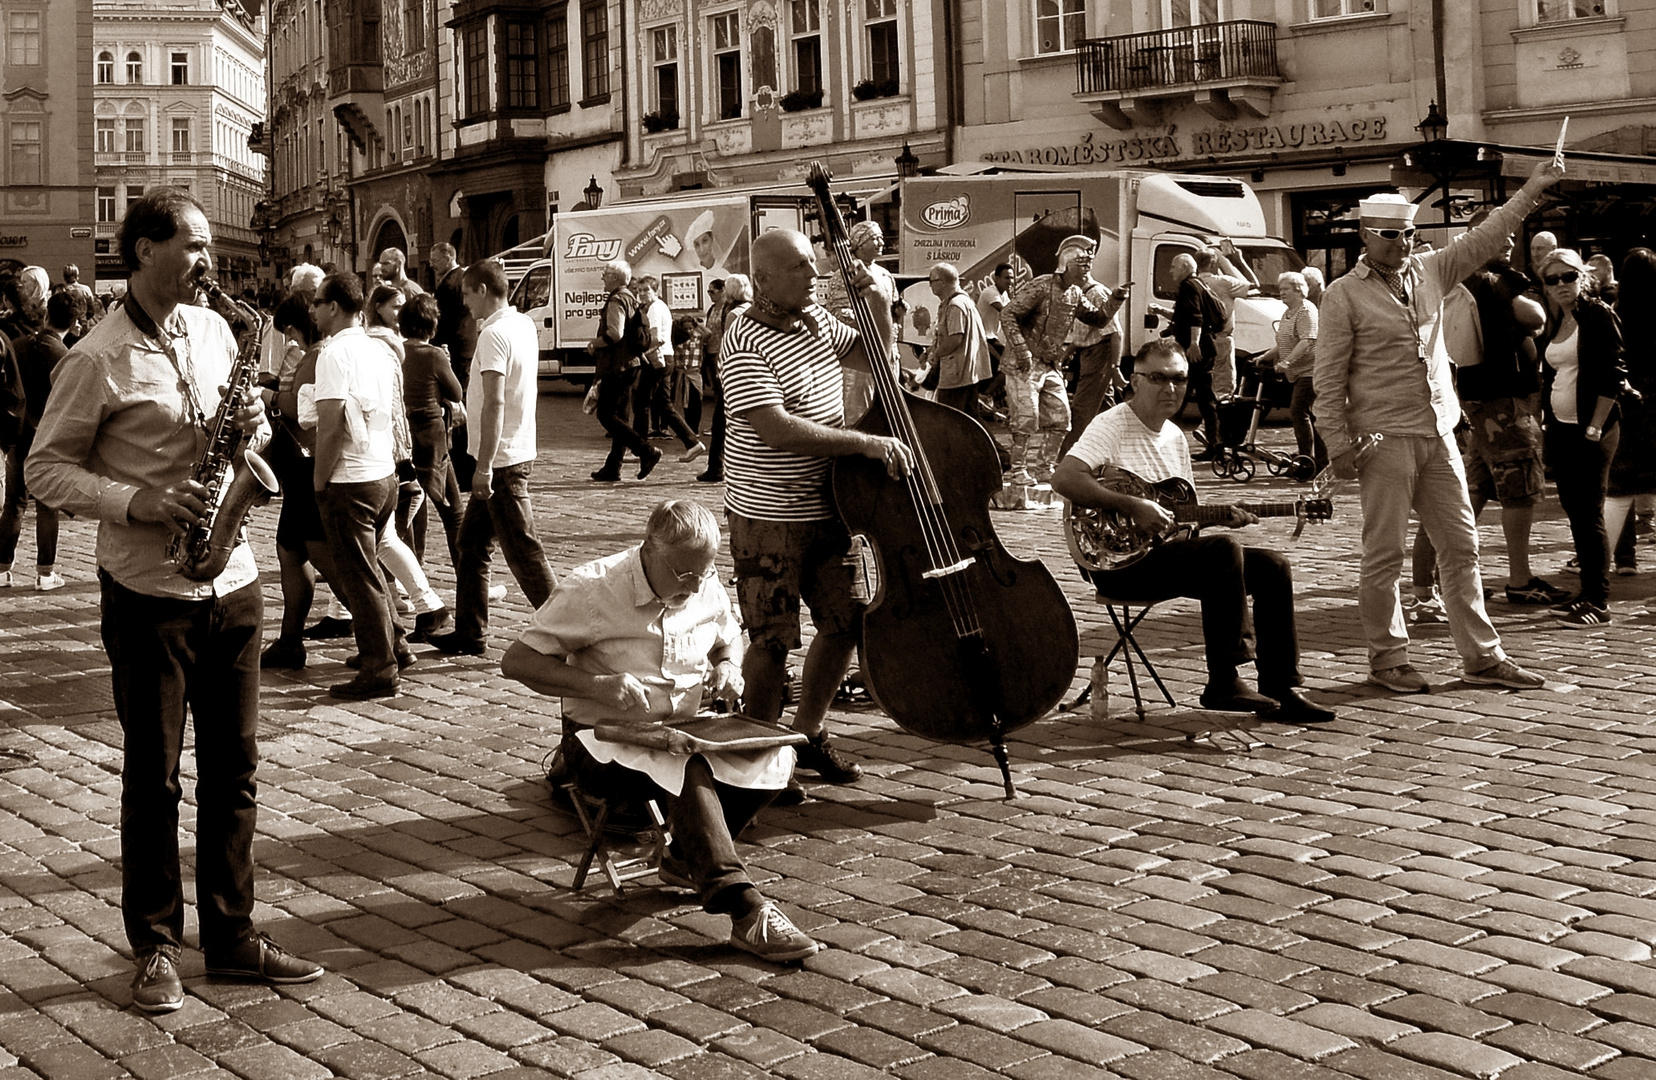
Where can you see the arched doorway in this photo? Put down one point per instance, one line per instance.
(390, 235)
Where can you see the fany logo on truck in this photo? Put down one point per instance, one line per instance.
(587, 246)
(949, 213)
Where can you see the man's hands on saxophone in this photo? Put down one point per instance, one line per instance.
(181, 505)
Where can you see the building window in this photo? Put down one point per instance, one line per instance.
(106, 204)
(106, 134)
(135, 68)
(522, 82)
(664, 53)
(807, 46)
(106, 67)
(23, 38)
(413, 27)
(1059, 24)
(477, 70)
(408, 132)
(884, 70)
(594, 49)
(1334, 9)
(26, 150)
(180, 140)
(557, 57)
(1553, 11)
(727, 65)
(1194, 12)
(134, 192)
(135, 135)
(181, 69)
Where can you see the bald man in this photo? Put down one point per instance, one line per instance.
(779, 371)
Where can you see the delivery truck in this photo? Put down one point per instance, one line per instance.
(1141, 220)
(686, 240)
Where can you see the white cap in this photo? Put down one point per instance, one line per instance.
(702, 224)
(1387, 209)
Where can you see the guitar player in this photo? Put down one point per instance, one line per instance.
(1217, 570)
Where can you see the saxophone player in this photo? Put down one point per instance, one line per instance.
(119, 441)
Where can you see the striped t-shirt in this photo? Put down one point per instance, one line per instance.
(1118, 437)
(761, 367)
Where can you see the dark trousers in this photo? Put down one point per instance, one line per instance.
(1307, 439)
(505, 516)
(615, 412)
(352, 517)
(11, 516)
(704, 820)
(716, 440)
(1581, 470)
(435, 469)
(167, 655)
(1201, 392)
(643, 397)
(1098, 364)
(666, 410)
(1223, 575)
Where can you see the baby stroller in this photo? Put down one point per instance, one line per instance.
(1239, 448)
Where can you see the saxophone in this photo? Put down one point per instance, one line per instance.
(202, 551)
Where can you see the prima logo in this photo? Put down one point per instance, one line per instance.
(951, 214)
(587, 246)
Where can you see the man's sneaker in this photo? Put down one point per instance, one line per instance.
(497, 593)
(48, 582)
(157, 988)
(769, 935)
(454, 643)
(1507, 674)
(1585, 613)
(1424, 610)
(283, 654)
(328, 628)
(1627, 570)
(1403, 678)
(1021, 478)
(827, 762)
(1536, 592)
(259, 958)
(1572, 567)
(363, 688)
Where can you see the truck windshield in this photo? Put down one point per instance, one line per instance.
(535, 290)
(1266, 261)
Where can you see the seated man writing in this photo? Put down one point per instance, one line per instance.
(629, 641)
(1139, 436)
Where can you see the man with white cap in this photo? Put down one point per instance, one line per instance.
(1382, 369)
(1035, 326)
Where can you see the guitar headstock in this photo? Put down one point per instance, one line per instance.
(1317, 509)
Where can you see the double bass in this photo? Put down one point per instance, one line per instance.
(962, 641)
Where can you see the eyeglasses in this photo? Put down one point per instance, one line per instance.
(1568, 277)
(1394, 234)
(1162, 378)
(692, 579)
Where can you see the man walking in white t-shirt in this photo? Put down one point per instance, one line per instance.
(500, 412)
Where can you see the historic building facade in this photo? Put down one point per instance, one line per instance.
(177, 87)
(46, 207)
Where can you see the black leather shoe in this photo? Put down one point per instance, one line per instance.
(452, 644)
(604, 476)
(711, 478)
(792, 795)
(329, 627)
(1237, 698)
(156, 988)
(1295, 708)
(287, 655)
(258, 958)
(429, 623)
(827, 762)
(647, 464)
(362, 688)
(405, 659)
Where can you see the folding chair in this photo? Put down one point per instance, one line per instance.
(608, 823)
(1126, 621)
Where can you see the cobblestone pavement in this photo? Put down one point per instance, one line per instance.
(1451, 884)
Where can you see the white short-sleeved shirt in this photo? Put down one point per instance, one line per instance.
(989, 302)
(1118, 437)
(507, 343)
(362, 372)
(761, 367)
(660, 318)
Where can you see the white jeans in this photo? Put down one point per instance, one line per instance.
(1424, 474)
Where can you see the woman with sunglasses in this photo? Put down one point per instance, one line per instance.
(1582, 373)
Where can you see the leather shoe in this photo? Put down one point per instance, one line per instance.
(429, 623)
(1296, 708)
(288, 655)
(156, 988)
(792, 795)
(1237, 698)
(604, 476)
(710, 477)
(647, 464)
(362, 688)
(257, 957)
(452, 644)
(405, 659)
(329, 627)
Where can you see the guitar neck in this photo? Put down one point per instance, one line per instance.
(1208, 513)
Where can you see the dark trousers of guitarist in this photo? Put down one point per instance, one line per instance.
(1223, 575)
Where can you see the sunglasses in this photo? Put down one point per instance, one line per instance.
(1568, 277)
(1162, 378)
(1394, 234)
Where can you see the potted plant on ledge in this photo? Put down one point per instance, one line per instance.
(800, 100)
(660, 121)
(868, 89)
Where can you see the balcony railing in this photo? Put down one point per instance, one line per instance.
(1185, 56)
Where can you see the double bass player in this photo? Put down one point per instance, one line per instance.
(780, 371)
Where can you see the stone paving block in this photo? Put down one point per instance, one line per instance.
(1272, 1032)
(1532, 1042)
(985, 1048)
(1158, 1033)
(1252, 993)
(1629, 1038)
(73, 1061)
(1270, 1065)
(944, 1068)
(464, 1060)
(273, 1062)
(711, 1066)
(651, 1048)
(826, 1067)
(795, 1019)
(1634, 1007)
(1436, 1014)
(593, 1022)
(370, 1060)
(1472, 1058)
(1369, 1063)
(985, 978)
(1528, 1008)
(564, 1056)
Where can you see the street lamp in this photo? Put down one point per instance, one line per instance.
(1435, 127)
(594, 194)
(908, 166)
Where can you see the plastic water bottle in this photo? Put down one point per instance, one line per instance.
(1099, 697)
